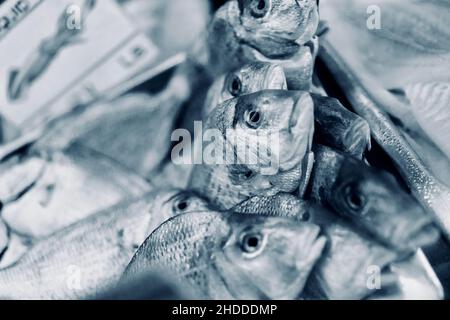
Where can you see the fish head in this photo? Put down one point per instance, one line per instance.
(251, 78)
(270, 21)
(268, 129)
(267, 257)
(349, 262)
(166, 204)
(375, 200)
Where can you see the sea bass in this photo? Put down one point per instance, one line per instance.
(88, 256)
(335, 126)
(259, 164)
(371, 199)
(233, 256)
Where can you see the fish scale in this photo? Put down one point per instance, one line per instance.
(181, 247)
(97, 249)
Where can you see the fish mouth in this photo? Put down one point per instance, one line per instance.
(310, 248)
(310, 26)
(424, 233)
(301, 128)
(275, 78)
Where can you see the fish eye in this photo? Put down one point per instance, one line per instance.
(353, 198)
(234, 86)
(305, 216)
(251, 242)
(181, 204)
(253, 118)
(259, 8)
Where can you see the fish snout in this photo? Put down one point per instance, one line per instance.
(422, 232)
(275, 78)
(310, 244)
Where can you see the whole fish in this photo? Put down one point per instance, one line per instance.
(45, 192)
(233, 256)
(268, 136)
(85, 258)
(371, 199)
(335, 126)
(427, 188)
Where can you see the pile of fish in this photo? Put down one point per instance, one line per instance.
(101, 204)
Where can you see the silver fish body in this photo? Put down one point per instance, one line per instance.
(46, 192)
(87, 257)
(230, 255)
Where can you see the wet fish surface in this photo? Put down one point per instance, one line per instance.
(290, 115)
(230, 255)
(45, 192)
(87, 257)
(371, 199)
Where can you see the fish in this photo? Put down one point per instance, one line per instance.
(372, 199)
(45, 192)
(225, 255)
(345, 267)
(335, 126)
(343, 272)
(433, 195)
(89, 256)
(283, 32)
(251, 78)
(262, 30)
(407, 52)
(261, 165)
(409, 45)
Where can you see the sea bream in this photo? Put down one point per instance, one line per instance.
(371, 199)
(264, 30)
(85, 258)
(258, 165)
(351, 254)
(232, 256)
(335, 126)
